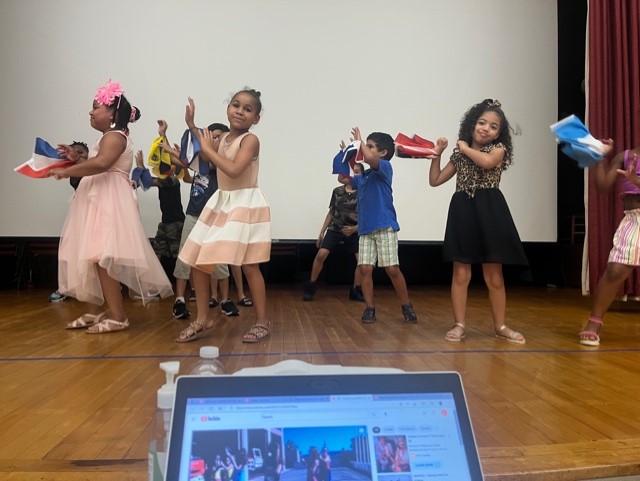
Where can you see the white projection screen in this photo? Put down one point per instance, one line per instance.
(323, 66)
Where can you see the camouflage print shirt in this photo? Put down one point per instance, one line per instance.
(343, 208)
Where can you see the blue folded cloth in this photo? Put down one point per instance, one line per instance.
(576, 142)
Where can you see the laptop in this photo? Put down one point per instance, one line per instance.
(402, 426)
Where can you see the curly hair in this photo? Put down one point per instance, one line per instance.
(470, 118)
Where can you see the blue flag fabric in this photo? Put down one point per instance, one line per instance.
(576, 142)
(142, 177)
(190, 153)
(344, 160)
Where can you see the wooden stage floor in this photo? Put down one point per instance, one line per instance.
(75, 406)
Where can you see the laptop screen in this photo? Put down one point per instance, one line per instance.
(322, 428)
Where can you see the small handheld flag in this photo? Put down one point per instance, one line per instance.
(344, 160)
(190, 153)
(577, 142)
(416, 146)
(45, 158)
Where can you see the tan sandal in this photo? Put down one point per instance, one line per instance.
(257, 333)
(514, 337)
(86, 320)
(195, 330)
(108, 325)
(456, 333)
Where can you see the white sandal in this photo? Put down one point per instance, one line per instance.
(108, 325)
(86, 320)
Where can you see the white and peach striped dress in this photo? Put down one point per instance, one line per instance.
(235, 225)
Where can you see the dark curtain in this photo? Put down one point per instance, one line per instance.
(613, 111)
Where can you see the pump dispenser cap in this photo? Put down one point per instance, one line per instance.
(209, 352)
(167, 393)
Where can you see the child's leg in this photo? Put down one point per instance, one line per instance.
(318, 263)
(497, 295)
(606, 292)
(112, 294)
(494, 280)
(256, 285)
(399, 283)
(357, 275)
(366, 282)
(202, 323)
(202, 285)
(237, 280)
(213, 288)
(262, 328)
(224, 288)
(459, 288)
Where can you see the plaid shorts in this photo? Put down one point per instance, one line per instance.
(626, 241)
(379, 246)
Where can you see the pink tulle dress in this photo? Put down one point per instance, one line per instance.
(103, 227)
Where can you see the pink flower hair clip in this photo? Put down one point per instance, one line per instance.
(132, 116)
(108, 92)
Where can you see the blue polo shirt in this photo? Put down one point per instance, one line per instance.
(375, 199)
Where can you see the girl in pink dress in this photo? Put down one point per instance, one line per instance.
(103, 243)
(235, 226)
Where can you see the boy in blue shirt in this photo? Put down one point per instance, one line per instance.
(377, 223)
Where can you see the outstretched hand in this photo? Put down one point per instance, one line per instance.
(162, 128)
(68, 152)
(630, 174)
(190, 114)
(207, 139)
(441, 144)
(355, 134)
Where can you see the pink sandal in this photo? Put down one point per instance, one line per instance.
(590, 337)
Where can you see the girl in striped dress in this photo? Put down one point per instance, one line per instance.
(235, 226)
(625, 255)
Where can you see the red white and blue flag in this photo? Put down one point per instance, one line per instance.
(344, 160)
(45, 157)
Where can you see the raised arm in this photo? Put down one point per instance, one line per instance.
(373, 159)
(249, 150)
(110, 149)
(486, 160)
(438, 175)
(631, 174)
(606, 171)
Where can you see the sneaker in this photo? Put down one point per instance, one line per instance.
(310, 289)
(192, 297)
(409, 314)
(213, 302)
(229, 308)
(369, 315)
(180, 310)
(355, 294)
(57, 297)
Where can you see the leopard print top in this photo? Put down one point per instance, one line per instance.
(471, 176)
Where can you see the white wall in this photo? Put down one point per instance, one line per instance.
(413, 66)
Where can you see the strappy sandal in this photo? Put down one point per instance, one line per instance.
(195, 330)
(85, 320)
(456, 333)
(245, 302)
(257, 333)
(589, 337)
(108, 325)
(515, 337)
